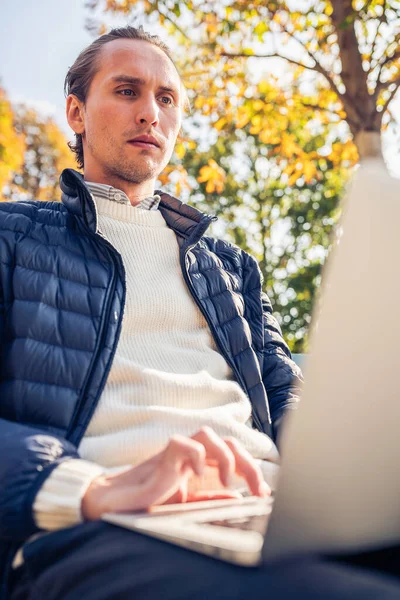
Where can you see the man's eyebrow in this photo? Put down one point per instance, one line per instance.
(140, 81)
(128, 79)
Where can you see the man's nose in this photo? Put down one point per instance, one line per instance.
(148, 112)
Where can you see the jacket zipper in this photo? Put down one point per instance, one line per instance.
(99, 346)
(186, 276)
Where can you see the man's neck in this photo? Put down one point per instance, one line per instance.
(136, 192)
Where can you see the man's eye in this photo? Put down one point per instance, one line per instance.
(123, 92)
(166, 100)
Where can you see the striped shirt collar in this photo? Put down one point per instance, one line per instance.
(108, 192)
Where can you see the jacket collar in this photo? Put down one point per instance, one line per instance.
(186, 221)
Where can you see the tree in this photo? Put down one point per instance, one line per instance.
(227, 48)
(267, 209)
(46, 155)
(351, 46)
(12, 143)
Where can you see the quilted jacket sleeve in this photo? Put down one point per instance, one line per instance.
(281, 376)
(28, 456)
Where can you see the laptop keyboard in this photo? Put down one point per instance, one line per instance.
(249, 523)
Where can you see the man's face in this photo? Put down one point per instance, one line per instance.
(136, 92)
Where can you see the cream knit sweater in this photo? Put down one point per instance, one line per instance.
(167, 376)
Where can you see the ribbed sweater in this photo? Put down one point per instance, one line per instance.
(167, 376)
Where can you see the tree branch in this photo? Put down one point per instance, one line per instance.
(353, 75)
(271, 55)
(392, 95)
(171, 20)
(385, 62)
(387, 84)
(324, 108)
(391, 115)
(389, 59)
(382, 19)
(384, 85)
(316, 68)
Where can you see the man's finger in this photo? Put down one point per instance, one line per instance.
(182, 451)
(247, 468)
(217, 450)
(180, 496)
(217, 495)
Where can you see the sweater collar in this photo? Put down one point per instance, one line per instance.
(112, 194)
(186, 221)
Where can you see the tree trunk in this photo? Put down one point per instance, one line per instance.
(369, 145)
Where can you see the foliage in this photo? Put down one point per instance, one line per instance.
(284, 217)
(12, 144)
(45, 155)
(271, 154)
(351, 47)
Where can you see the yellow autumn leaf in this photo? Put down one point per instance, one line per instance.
(309, 171)
(242, 119)
(12, 145)
(264, 87)
(164, 177)
(344, 152)
(180, 150)
(350, 152)
(199, 102)
(214, 177)
(288, 170)
(258, 105)
(261, 28)
(220, 124)
(256, 124)
(289, 146)
(294, 178)
(268, 136)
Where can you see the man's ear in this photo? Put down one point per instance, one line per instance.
(75, 114)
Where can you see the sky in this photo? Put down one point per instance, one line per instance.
(40, 39)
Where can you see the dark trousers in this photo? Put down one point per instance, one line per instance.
(97, 561)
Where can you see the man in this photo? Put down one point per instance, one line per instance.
(140, 362)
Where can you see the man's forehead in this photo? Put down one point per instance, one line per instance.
(134, 57)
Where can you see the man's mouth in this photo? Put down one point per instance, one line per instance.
(144, 141)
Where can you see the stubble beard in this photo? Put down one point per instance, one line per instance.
(132, 173)
(119, 167)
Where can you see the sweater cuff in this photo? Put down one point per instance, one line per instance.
(58, 502)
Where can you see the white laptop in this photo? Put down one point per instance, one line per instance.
(339, 487)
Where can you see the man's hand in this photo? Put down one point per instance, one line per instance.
(164, 478)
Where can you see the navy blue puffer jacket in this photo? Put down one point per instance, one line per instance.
(62, 292)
